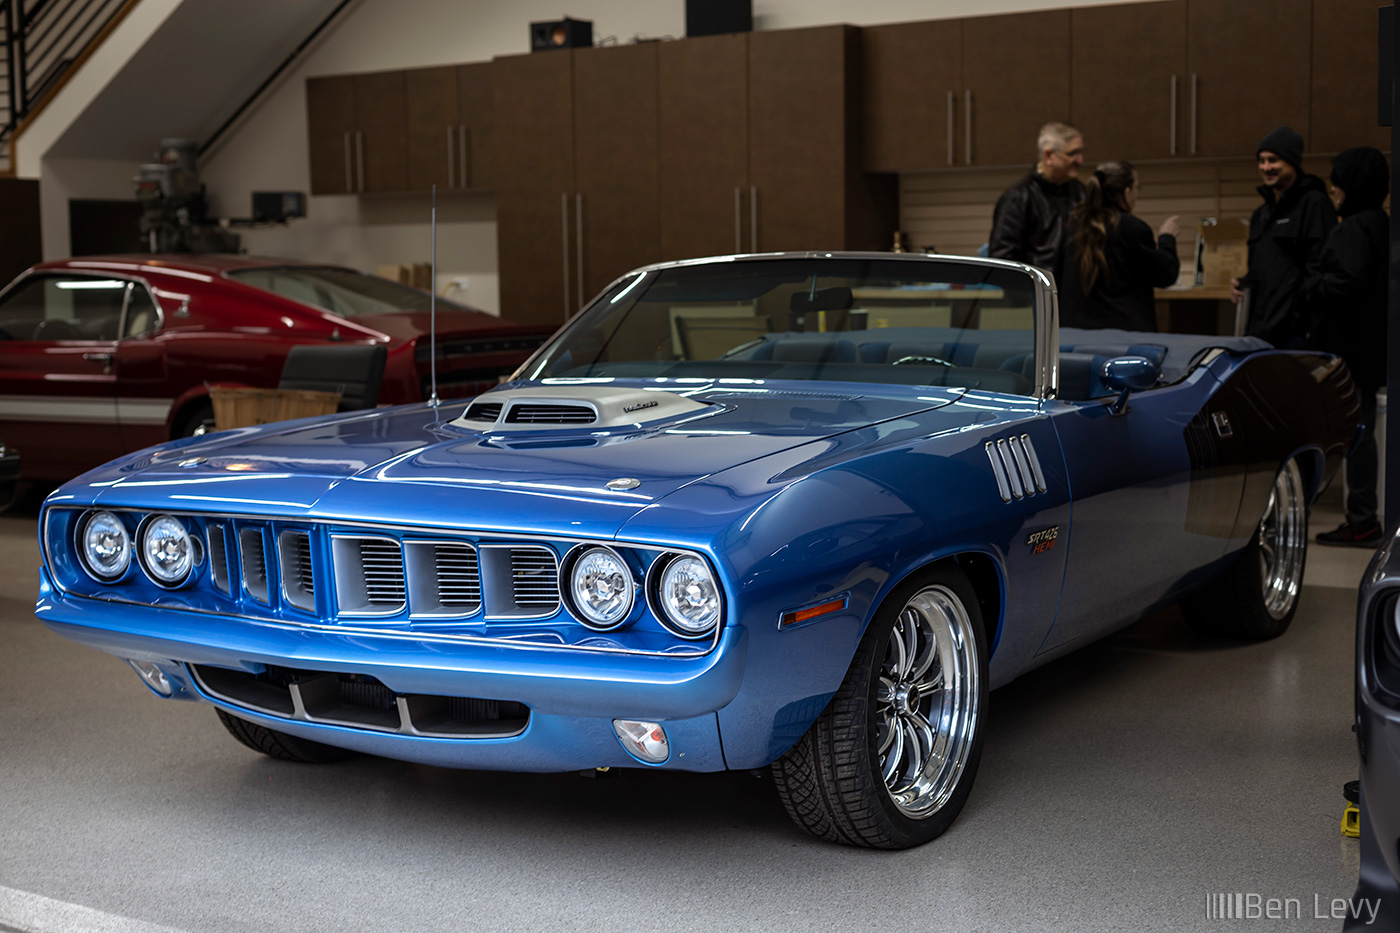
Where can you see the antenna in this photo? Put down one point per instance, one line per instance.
(432, 311)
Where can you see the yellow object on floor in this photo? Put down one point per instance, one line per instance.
(1351, 821)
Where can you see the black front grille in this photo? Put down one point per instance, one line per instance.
(540, 413)
(360, 701)
(447, 349)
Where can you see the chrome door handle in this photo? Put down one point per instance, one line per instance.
(1194, 83)
(349, 168)
(450, 160)
(738, 223)
(753, 218)
(104, 358)
(967, 126)
(462, 153)
(578, 243)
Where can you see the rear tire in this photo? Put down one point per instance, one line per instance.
(1257, 595)
(280, 745)
(198, 422)
(891, 761)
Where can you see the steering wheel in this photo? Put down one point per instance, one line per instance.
(930, 360)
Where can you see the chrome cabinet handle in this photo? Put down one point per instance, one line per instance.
(360, 157)
(753, 218)
(950, 127)
(564, 240)
(462, 153)
(1194, 83)
(967, 126)
(578, 243)
(1172, 118)
(738, 223)
(450, 160)
(349, 169)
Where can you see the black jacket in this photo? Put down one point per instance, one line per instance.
(1344, 293)
(1137, 263)
(1030, 220)
(1283, 238)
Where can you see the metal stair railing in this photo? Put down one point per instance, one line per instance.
(40, 43)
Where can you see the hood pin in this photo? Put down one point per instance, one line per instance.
(625, 482)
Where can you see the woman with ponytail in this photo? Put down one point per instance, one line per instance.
(1113, 261)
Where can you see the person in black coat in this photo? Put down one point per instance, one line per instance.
(1285, 233)
(1114, 261)
(1028, 223)
(1344, 302)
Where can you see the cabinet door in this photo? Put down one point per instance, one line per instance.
(1130, 80)
(615, 162)
(704, 146)
(1344, 53)
(798, 81)
(382, 143)
(912, 86)
(533, 97)
(476, 155)
(433, 129)
(1015, 79)
(330, 130)
(1249, 60)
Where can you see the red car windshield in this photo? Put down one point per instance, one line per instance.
(339, 291)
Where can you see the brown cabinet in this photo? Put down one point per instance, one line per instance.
(357, 133)
(1249, 72)
(704, 146)
(806, 186)
(1016, 77)
(615, 163)
(1130, 79)
(434, 129)
(476, 110)
(535, 217)
(1344, 62)
(913, 91)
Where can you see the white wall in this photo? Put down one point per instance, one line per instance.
(267, 150)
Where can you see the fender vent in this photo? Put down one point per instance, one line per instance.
(1016, 467)
(540, 413)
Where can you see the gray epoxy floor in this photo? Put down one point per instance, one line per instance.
(1119, 787)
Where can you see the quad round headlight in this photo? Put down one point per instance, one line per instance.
(105, 546)
(689, 597)
(167, 551)
(601, 588)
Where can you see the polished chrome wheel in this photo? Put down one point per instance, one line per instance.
(1283, 537)
(927, 701)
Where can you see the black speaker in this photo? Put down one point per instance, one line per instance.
(561, 34)
(716, 17)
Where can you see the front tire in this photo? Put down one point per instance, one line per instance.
(1257, 595)
(891, 761)
(280, 745)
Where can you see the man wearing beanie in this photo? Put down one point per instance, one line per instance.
(1344, 300)
(1284, 233)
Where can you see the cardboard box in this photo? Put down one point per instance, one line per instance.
(412, 274)
(1222, 250)
(242, 407)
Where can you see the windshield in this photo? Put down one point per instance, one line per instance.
(339, 291)
(906, 322)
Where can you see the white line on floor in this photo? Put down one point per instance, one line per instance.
(33, 913)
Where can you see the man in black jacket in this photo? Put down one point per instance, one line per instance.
(1344, 299)
(1284, 234)
(1032, 215)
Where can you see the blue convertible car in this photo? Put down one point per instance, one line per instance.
(798, 510)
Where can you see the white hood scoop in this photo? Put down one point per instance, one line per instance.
(541, 408)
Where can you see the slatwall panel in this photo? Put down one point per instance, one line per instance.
(952, 210)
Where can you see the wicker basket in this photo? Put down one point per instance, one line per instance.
(242, 407)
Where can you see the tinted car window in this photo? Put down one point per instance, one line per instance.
(46, 307)
(339, 291)
(902, 322)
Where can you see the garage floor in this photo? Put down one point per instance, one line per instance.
(1119, 788)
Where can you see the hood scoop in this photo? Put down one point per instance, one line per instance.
(573, 406)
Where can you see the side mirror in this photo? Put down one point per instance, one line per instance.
(1127, 374)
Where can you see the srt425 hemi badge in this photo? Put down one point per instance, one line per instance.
(1042, 541)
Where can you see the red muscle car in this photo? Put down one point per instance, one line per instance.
(104, 355)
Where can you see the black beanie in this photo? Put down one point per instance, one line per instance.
(1285, 144)
(1365, 177)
